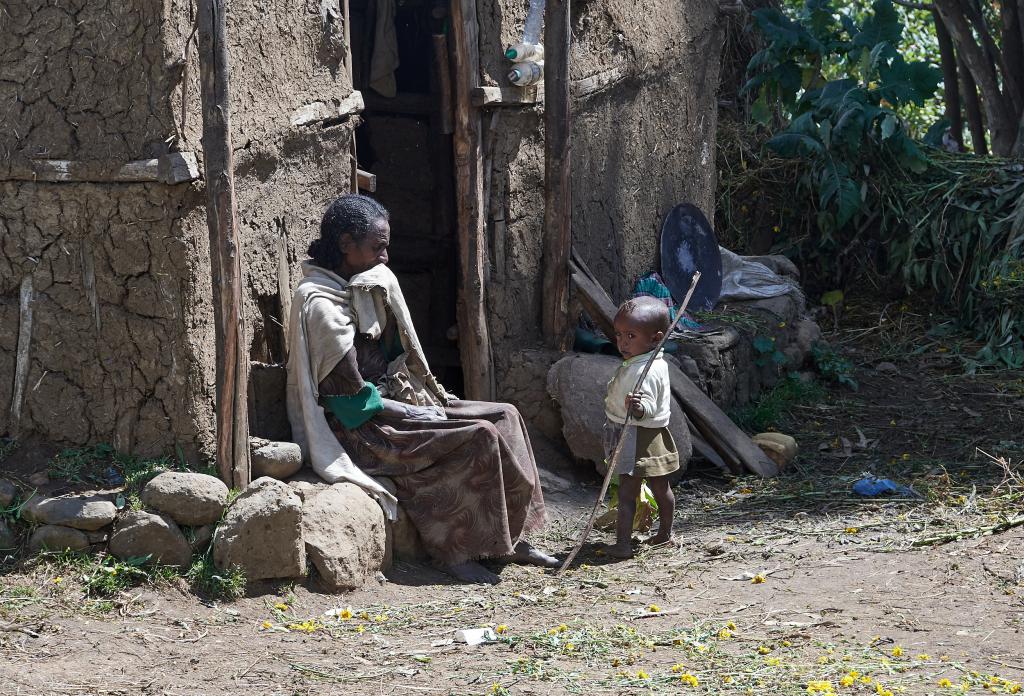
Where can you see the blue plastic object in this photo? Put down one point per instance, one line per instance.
(871, 486)
(688, 244)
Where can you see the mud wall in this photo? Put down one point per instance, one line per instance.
(645, 113)
(122, 347)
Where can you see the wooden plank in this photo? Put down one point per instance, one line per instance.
(442, 75)
(21, 362)
(471, 308)
(557, 163)
(508, 96)
(598, 82)
(717, 428)
(367, 181)
(705, 450)
(225, 246)
(595, 300)
(172, 168)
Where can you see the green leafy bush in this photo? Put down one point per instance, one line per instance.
(839, 125)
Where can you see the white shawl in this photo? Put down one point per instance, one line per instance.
(326, 312)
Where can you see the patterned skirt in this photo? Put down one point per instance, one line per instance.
(469, 484)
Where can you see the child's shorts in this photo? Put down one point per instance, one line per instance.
(646, 452)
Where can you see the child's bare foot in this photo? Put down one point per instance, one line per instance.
(622, 549)
(660, 539)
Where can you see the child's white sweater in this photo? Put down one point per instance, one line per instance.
(656, 392)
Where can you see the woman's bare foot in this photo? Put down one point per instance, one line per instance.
(526, 554)
(470, 571)
(621, 549)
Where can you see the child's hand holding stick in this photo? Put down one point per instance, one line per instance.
(614, 461)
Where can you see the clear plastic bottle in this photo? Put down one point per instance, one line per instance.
(527, 73)
(534, 22)
(523, 51)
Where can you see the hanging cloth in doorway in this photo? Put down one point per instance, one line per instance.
(384, 60)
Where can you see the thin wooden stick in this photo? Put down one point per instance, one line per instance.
(614, 461)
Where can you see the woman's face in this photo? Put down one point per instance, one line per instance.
(370, 251)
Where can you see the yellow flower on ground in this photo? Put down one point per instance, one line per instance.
(847, 680)
(924, 656)
(380, 618)
(772, 661)
(642, 675)
(345, 614)
(267, 624)
(757, 579)
(568, 647)
(824, 660)
(852, 530)
(678, 668)
(562, 628)
(727, 678)
(725, 633)
(786, 644)
(763, 649)
(365, 615)
(281, 607)
(654, 608)
(58, 580)
(819, 687)
(500, 628)
(688, 679)
(897, 651)
(361, 628)
(731, 625)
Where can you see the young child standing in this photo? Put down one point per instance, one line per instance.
(648, 451)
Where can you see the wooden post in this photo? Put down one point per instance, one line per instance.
(474, 336)
(225, 251)
(346, 14)
(557, 199)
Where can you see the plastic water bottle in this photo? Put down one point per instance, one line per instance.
(534, 22)
(522, 52)
(528, 73)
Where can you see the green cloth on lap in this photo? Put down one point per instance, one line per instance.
(352, 411)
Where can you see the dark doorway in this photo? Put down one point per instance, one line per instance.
(405, 141)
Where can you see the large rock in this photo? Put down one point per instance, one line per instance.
(262, 532)
(86, 512)
(53, 537)
(187, 497)
(275, 459)
(7, 539)
(8, 492)
(343, 529)
(579, 384)
(142, 533)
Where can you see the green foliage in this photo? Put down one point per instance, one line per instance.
(833, 367)
(772, 406)
(838, 125)
(206, 579)
(108, 575)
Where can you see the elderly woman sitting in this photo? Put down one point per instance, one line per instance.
(362, 403)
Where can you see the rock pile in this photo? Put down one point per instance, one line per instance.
(270, 530)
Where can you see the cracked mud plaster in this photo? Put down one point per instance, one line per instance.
(119, 314)
(84, 79)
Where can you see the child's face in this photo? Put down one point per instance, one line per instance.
(632, 338)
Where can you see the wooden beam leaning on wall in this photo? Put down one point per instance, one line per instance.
(557, 198)
(471, 309)
(225, 247)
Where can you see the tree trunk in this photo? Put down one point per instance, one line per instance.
(951, 88)
(1013, 52)
(972, 108)
(1002, 123)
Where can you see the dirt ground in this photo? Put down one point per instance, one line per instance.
(788, 586)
